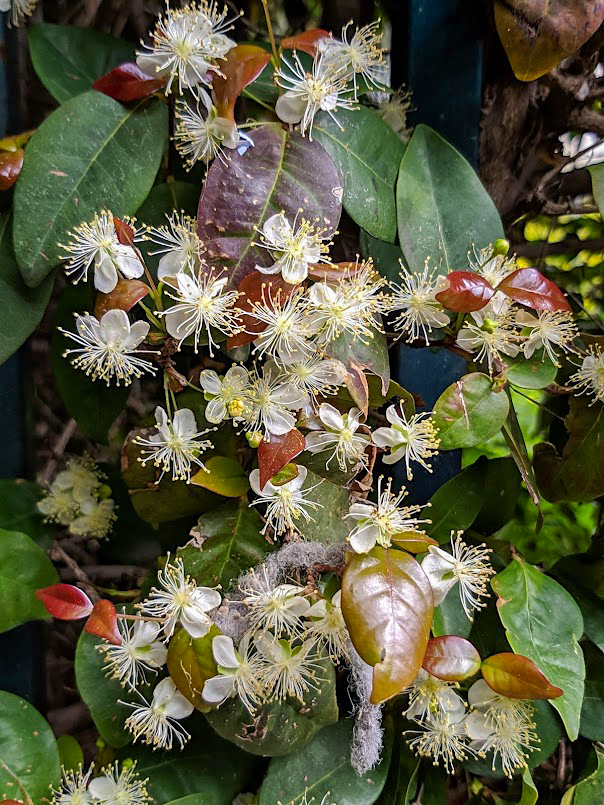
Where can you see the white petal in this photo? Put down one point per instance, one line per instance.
(386, 437)
(170, 264)
(223, 650)
(478, 727)
(363, 540)
(210, 382)
(105, 274)
(127, 262)
(207, 599)
(178, 707)
(331, 417)
(480, 694)
(217, 689)
(216, 411)
(290, 108)
(295, 272)
(184, 422)
(102, 788)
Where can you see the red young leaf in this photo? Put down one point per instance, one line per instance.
(357, 385)
(306, 41)
(127, 82)
(529, 287)
(124, 232)
(466, 293)
(65, 602)
(254, 287)
(451, 658)
(11, 163)
(123, 297)
(243, 64)
(517, 677)
(274, 455)
(103, 622)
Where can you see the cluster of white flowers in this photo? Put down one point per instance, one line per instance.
(19, 9)
(449, 733)
(114, 785)
(79, 500)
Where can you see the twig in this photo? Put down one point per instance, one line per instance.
(58, 450)
(57, 553)
(269, 25)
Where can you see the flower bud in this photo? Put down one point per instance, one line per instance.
(501, 247)
(254, 438)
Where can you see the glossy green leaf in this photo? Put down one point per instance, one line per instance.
(92, 403)
(28, 752)
(371, 354)
(450, 618)
(589, 790)
(22, 307)
(232, 544)
(387, 604)
(327, 524)
(18, 510)
(24, 568)
(455, 505)
(502, 486)
(385, 256)
(514, 438)
(222, 475)
(70, 753)
(368, 153)
(469, 412)
(443, 209)
(68, 60)
(322, 769)
(191, 663)
(592, 711)
(535, 372)
(91, 153)
(530, 795)
(544, 623)
(578, 473)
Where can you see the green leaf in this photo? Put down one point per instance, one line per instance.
(278, 728)
(29, 758)
(91, 153)
(535, 372)
(18, 510)
(371, 354)
(322, 769)
(387, 604)
(223, 475)
(455, 505)
(24, 568)
(469, 412)
(530, 795)
(232, 544)
(368, 153)
(101, 694)
(590, 789)
(443, 209)
(22, 307)
(502, 485)
(327, 524)
(386, 256)
(68, 60)
(450, 617)
(92, 403)
(70, 753)
(577, 474)
(592, 711)
(544, 623)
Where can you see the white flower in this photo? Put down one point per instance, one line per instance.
(287, 327)
(274, 608)
(316, 376)
(95, 518)
(271, 400)
(491, 340)
(378, 522)
(286, 503)
(589, 379)
(74, 788)
(156, 724)
(413, 439)
(364, 287)
(548, 330)
(293, 247)
(466, 565)
(414, 297)
(226, 395)
(109, 347)
(176, 445)
(362, 55)
(240, 673)
(178, 243)
(140, 651)
(81, 477)
(178, 599)
(443, 738)
(340, 435)
(115, 786)
(394, 110)
(288, 670)
(493, 267)
(96, 244)
(306, 94)
(187, 44)
(19, 9)
(501, 725)
(199, 136)
(327, 627)
(201, 304)
(58, 506)
(429, 695)
(345, 307)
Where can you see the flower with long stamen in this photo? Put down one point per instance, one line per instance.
(271, 399)
(19, 9)
(140, 651)
(339, 434)
(119, 786)
(294, 247)
(239, 673)
(443, 739)
(491, 339)
(346, 308)
(361, 55)
(108, 348)
(178, 599)
(96, 244)
(287, 327)
(466, 565)
(95, 518)
(414, 300)
(201, 137)
(394, 110)
(202, 305)
(286, 504)
(176, 445)
(316, 376)
(378, 522)
(413, 438)
(327, 628)
(589, 378)
(289, 670)
(157, 723)
(325, 89)
(429, 695)
(73, 789)
(178, 244)
(493, 267)
(226, 396)
(550, 331)
(275, 608)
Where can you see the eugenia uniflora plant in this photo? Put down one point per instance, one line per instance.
(304, 605)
